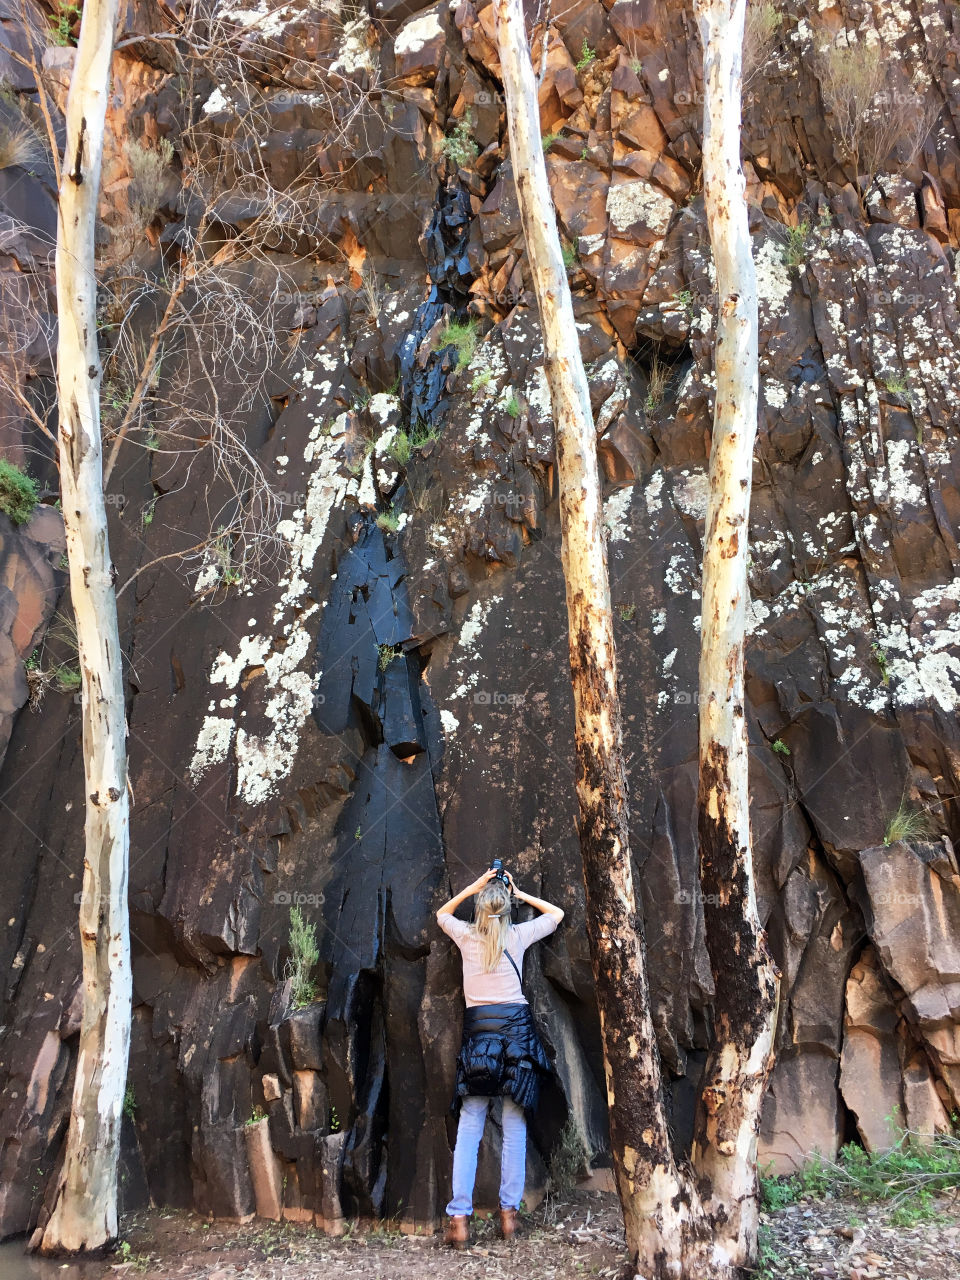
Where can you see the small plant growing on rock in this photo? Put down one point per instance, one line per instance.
(256, 1115)
(587, 56)
(62, 20)
(67, 678)
(685, 299)
(512, 407)
(388, 521)
(459, 146)
(880, 657)
(570, 257)
(18, 493)
(129, 1104)
(569, 1159)
(304, 954)
(780, 748)
(899, 386)
(795, 248)
(627, 612)
(386, 653)
(463, 336)
(400, 448)
(482, 380)
(908, 824)
(548, 140)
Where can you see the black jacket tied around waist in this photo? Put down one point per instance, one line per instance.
(500, 1054)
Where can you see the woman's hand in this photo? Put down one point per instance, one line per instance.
(481, 881)
(512, 883)
(448, 908)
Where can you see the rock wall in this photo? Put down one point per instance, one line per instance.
(361, 727)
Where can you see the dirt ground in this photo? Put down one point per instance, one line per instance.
(580, 1236)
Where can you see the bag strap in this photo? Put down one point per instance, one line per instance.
(515, 969)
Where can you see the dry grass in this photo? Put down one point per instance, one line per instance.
(871, 117)
(760, 35)
(657, 381)
(148, 167)
(20, 147)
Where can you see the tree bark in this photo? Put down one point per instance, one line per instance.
(724, 1152)
(666, 1234)
(84, 1213)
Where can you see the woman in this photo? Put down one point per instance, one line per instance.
(500, 1053)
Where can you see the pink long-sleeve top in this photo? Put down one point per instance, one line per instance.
(501, 985)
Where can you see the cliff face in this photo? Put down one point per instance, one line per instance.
(375, 716)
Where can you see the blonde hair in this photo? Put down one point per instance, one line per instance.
(491, 922)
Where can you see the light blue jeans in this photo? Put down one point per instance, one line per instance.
(513, 1162)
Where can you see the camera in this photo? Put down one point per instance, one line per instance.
(497, 866)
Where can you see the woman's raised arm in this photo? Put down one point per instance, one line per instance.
(541, 904)
(450, 907)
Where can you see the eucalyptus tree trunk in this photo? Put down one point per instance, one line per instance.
(666, 1234)
(84, 1211)
(724, 1152)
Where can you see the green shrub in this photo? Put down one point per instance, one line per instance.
(569, 1159)
(18, 493)
(304, 954)
(908, 1176)
(587, 56)
(459, 145)
(61, 22)
(795, 249)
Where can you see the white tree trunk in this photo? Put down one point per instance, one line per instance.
(747, 983)
(84, 1215)
(666, 1232)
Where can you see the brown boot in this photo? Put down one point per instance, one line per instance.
(457, 1235)
(508, 1223)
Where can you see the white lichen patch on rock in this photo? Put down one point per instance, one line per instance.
(691, 490)
(212, 746)
(905, 474)
(652, 493)
(538, 393)
(639, 201)
(265, 757)
(355, 52)
(773, 278)
(262, 16)
(217, 102)
(413, 35)
(616, 513)
(775, 394)
(464, 656)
